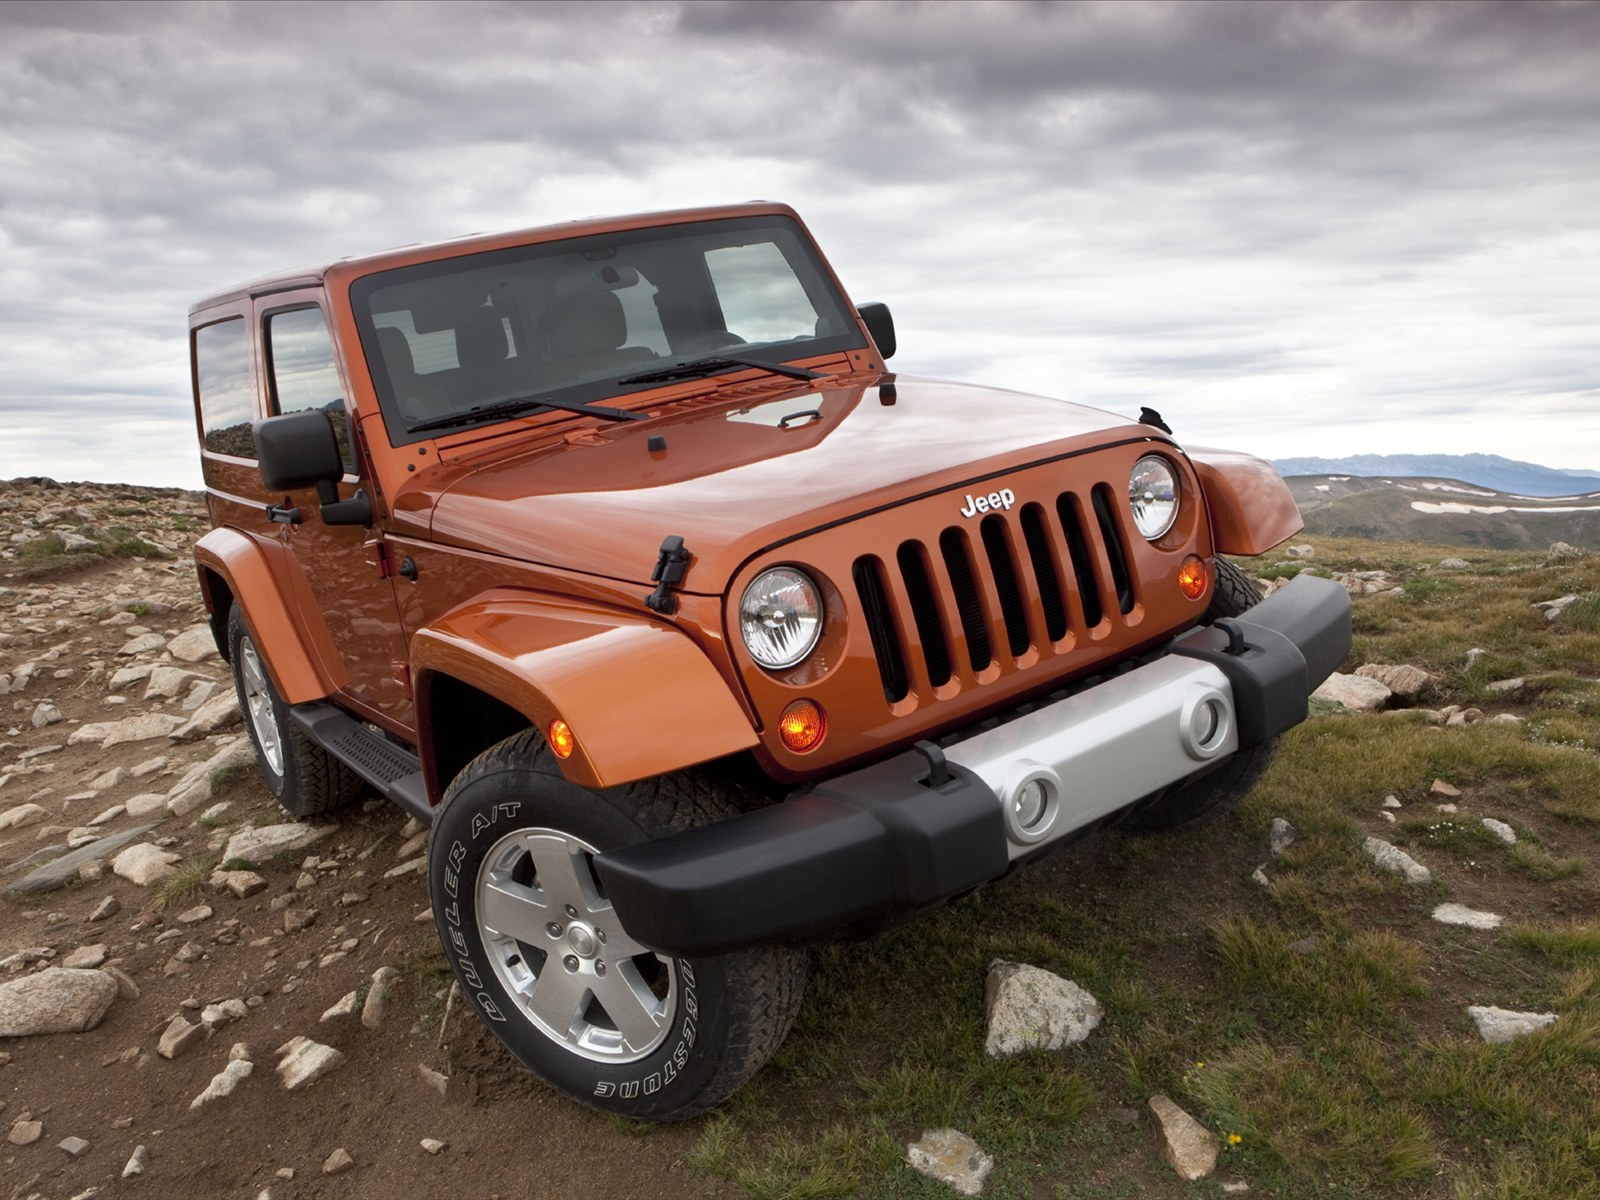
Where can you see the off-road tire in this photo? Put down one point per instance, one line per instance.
(302, 777)
(1210, 796)
(514, 836)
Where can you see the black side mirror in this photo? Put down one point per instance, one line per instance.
(299, 450)
(880, 325)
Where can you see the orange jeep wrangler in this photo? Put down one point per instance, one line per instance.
(614, 551)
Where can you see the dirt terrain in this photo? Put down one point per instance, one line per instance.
(75, 622)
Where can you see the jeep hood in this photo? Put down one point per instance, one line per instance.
(734, 479)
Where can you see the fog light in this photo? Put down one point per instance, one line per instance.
(802, 726)
(1028, 806)
(561, 739)
(1192, 577)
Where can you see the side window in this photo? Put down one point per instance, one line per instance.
(761, 299)
(303, 374)
(227, 391)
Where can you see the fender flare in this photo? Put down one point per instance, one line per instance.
(641, 698)
(242, 563)
(1252, 509)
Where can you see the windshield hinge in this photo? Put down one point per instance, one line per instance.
(670, 570)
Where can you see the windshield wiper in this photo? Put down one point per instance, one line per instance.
(712, 364)
(510, 408)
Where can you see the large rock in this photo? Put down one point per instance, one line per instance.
(130, 729)
(144, 864)
(257, 846)
(61, 871)
(1405, 681)
(23, 815)
(952, 1157)
(194, 644)
(223, 1083)
(1031, 1009)
(1503, 1025)
(219, 712)
(1472, 918)
(55, 1000)
(1187, 1145)
(167, 682)
(1354, 692)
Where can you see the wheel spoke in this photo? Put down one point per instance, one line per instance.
(562, 871)
(515, 911)
(618, 944)
(630, 1004)
(558, 998)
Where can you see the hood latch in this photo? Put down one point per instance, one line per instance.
(670, 570)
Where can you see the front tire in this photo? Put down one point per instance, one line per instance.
(302, 777)
(1212, 795)
(538, 951)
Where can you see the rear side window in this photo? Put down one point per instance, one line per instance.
(226, 386)
(303, 372)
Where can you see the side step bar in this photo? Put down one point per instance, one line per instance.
(392, 769)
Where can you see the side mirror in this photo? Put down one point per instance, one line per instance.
(880, 325)
(300, 450)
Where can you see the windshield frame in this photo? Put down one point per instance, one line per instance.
(811, 271)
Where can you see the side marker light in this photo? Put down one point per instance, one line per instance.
(561, 739)
(802, 726)
(1193, 577)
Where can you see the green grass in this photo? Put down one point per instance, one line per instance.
(1328, 1009)
(184, 885)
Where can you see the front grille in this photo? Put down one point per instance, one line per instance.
(1017, 583)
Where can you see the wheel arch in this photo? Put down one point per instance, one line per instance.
(234, 570)
(1252, 509)
(641, 698)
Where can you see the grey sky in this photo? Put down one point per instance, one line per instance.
(1294, 229)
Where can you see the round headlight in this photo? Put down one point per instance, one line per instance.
(1153, 494)
(780, 617)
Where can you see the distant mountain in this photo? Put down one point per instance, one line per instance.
(1397, 508)
(1486, 470)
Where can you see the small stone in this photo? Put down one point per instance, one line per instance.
(240, 883)
(1507, 686)
(263, 844)
(1501, 830)
(433, 1145)
(1505, 719)
(1405, 681)
(439, 1083)
(338, 1162)
(1474, 655)
(1188, 1146)
(296, 919)
(25, 1132)
(1391, 858)
(373, 1011)
(1306, 944)
(1233, 1187)
(344, 1006)
(952, 1157)
(190, 952)
(73, 1147)
(1259, 875)
(1503, 1025)
(303, 1062)
(1441, 788)
(22, 816)
(136, 1162)
(193, 916)
(45, 713)
(195, 644)
(1392, 802)
(1281, 837)
(1032, 1009)
(1448, 808)
(415, 867)
(1455, 564)
(1460, 914)
(1387, 816)
(178, 1037)
(85, 957)
(223, 1082)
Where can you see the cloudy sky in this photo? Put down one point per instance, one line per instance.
(1293, 228)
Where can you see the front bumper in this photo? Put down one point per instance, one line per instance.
(927, 824)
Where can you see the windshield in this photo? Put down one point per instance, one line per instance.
(592, 318)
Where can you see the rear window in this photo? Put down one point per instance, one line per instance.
(226, 387)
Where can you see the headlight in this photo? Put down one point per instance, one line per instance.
(1153, 494)
(780, 617)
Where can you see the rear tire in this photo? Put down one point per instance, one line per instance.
(302, 777)
(1209, 797)
(538, 951)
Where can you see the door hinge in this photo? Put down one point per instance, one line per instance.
(402, 674)
(671, 567)
(381, 561)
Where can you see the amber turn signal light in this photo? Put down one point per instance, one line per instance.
(803, 726)
(561, 739)
(1192, 577)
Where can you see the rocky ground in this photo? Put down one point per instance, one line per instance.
(283, 1027)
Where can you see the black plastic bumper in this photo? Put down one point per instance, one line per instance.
(881, 841)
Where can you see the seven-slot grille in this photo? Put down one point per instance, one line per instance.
(995, 592)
